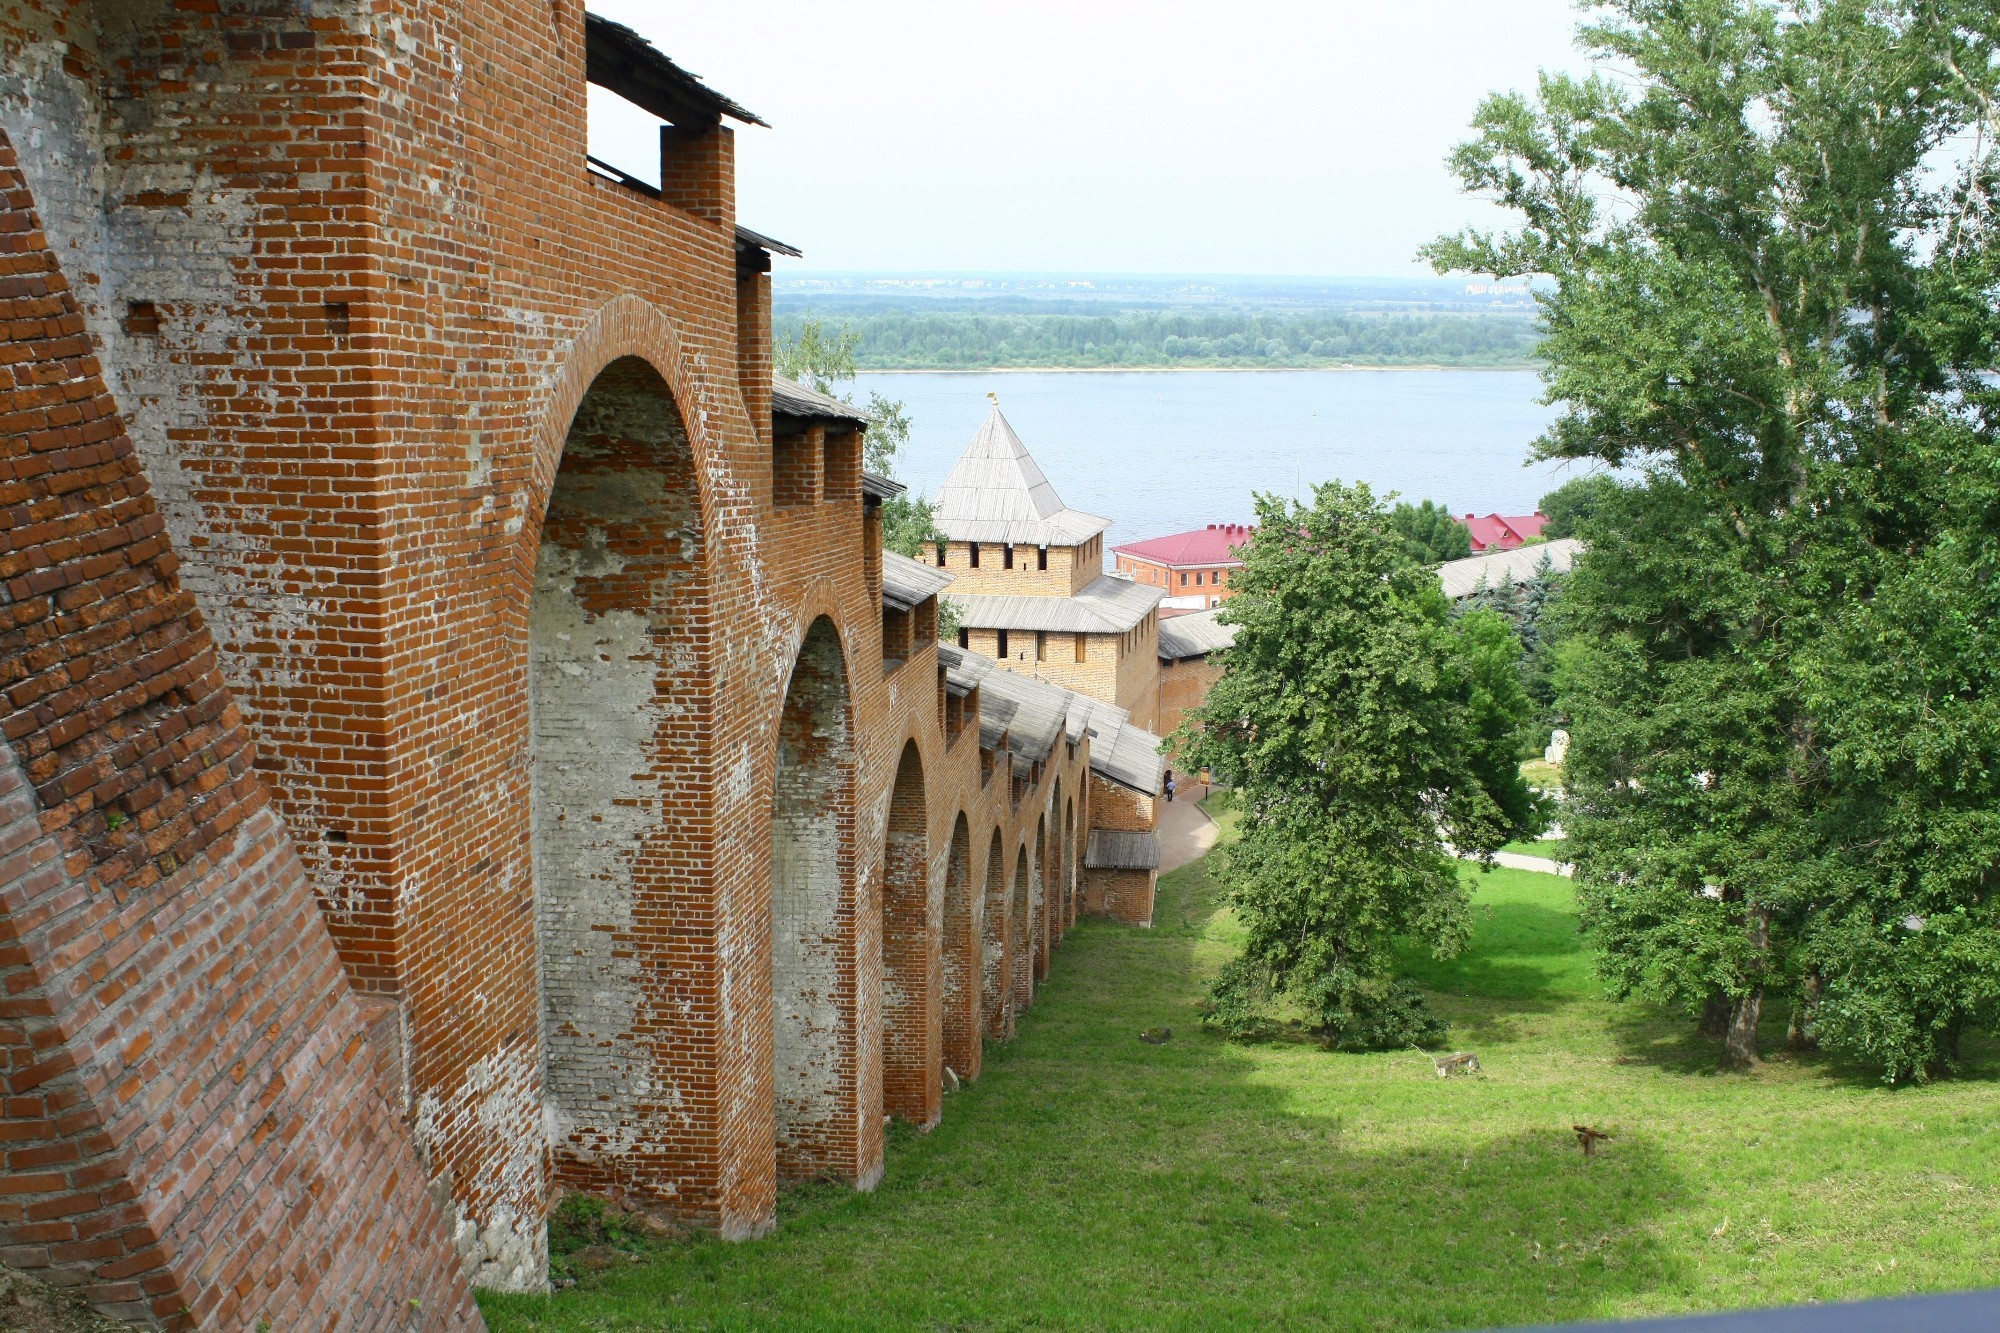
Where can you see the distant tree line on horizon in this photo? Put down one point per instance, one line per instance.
(963, 340)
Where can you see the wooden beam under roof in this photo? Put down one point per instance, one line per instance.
(620, 60)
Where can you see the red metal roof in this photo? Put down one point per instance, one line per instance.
(1203, 546)
(1503, 532)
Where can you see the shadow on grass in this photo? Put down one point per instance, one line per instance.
(1089, 1180)
(1478, 1021)
(1648, 1035)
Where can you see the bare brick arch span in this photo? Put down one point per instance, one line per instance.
(626, 326)
(912, 1027)
(620, 706)
(814, 997)
(996, 976)
(964, 919)
(1068, 855)
(1021, 934)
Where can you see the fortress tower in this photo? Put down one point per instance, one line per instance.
(1029, 583)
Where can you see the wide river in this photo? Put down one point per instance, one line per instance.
(1160, 452)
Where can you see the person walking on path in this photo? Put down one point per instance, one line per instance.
(1170, 791)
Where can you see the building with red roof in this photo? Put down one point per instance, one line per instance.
(1193, 567)
(1501, 532)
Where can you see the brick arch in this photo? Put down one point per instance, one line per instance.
(963, 921)
(822, 1126)
(818, 600)
(1039, 904)
(1068, 853)
(995, 991)
(912, 1029)
(625, 326)
(1020, 930)
(1052, 918)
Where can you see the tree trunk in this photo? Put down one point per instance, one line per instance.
(1739, 1047)
(1715, 1016)
(1803, 1010)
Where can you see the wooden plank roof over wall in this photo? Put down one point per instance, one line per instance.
(621, 61)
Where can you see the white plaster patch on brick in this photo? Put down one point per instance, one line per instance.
(189, 259)
(592, 687)
(478, 466)
(739, 780)
(57, 132)
(506, 1249)
(809, 1029)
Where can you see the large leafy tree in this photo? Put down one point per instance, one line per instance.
(1432, 534)
(1368, 734)
(1570, 504)
(1771, 262)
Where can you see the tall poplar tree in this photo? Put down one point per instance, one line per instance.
(1771, 278)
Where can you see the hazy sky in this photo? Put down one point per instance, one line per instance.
(1249, 136)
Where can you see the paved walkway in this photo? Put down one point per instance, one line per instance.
(1186, 834)
(1186, 831)
(1515, 861)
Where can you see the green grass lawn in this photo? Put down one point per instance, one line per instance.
(1092, 1181)
(1550, 848)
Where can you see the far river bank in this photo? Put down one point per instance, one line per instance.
(1162, 451)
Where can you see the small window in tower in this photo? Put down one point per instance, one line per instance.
(972, 551)
(1007, 556)
(1082, 648)
(1002, 645)
(1041, 646)
(940, 555)
(965, 639)
(1041, 557)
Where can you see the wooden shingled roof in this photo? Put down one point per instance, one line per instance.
(997, 493)
(620, 60)
(792, 399)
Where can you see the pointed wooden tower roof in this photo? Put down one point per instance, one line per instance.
(997, 493)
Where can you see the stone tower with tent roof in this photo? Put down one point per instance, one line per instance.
(1029, 583)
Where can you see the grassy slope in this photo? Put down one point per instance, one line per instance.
(1090, 1180)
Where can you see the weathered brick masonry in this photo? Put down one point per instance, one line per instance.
(195, 1132)
(644, 868)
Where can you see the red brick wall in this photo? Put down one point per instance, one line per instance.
(1184, 686)
(1122, 895)
(912, 1013)
(1214, 578)
(159, 946)
(384, 286)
